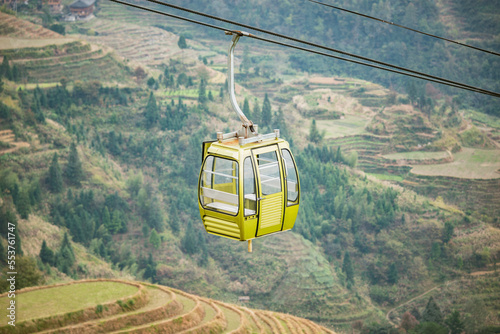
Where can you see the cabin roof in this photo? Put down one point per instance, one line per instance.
(82, 3)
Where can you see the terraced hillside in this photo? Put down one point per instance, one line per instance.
(115, 306)
(45, 56)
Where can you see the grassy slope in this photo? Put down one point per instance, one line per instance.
(46, 302)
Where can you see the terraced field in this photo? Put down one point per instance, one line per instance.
(115, 306)
(135, 37)
(330, 304)
(8, 138)
(47, 57)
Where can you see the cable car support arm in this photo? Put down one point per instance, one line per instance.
(249, 131)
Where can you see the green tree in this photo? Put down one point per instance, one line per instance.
(392, 275)
(65, 257)
(182, 42)
(150, 271)
(154, 215)
(314, 135)
(74, 170)
(202, 92)
(189, 242)
(266, 113)
(28, 273)
(152, 114)
(455, 323)
(246, 109)
(106, 218)
(432, 312)
(23, 203)
(151, 82)
(116, 222)
(347, 269)
(55, 179)
(5, 70)
(256, 114)
(46, 254)
(447, 232)
(279, 123)
(154, 239)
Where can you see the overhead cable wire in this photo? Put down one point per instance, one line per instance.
(320, 46)
(408, 28)
(423, 77)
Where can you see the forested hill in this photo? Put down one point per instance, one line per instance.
(473, 22)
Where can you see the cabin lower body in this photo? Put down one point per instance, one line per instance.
(248, 193)
(249, 227)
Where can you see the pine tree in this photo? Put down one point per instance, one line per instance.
(182, 43)
(5, 70)
(154, 239)
(55, 179)
(189, 243)
(279, 123)
(432, 312)
(202, 92)
(447, 232)
(454, 323)
(152, 114)
(314, 135)
(116, 222)
(256, 114)
(74, 170)
(392, 275)
(266, 113)
(46, 254)
(246, 109)
(155, 215)
(23, 203)
(106, 218)
(347, 269)
(66, 256)
(150, 271)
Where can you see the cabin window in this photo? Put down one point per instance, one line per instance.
(250, 195)
(292, 184)
(219, 185)
(269, 171)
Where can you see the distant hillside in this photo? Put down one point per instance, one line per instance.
(115, 306)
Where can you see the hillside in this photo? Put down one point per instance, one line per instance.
(115, 306)
(100, 147)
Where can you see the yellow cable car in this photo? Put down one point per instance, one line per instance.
(249, 183)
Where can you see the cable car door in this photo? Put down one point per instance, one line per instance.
(270, 189)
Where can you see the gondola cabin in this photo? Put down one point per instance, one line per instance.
(250, 190)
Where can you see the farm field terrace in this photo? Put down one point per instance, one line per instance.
(470, 163)
(63, 299)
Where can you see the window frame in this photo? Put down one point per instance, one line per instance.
(297, 200)
(212, 180)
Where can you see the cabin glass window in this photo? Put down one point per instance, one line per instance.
(250, 195)
(219, 185)
(292, 184)
(269, 171)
